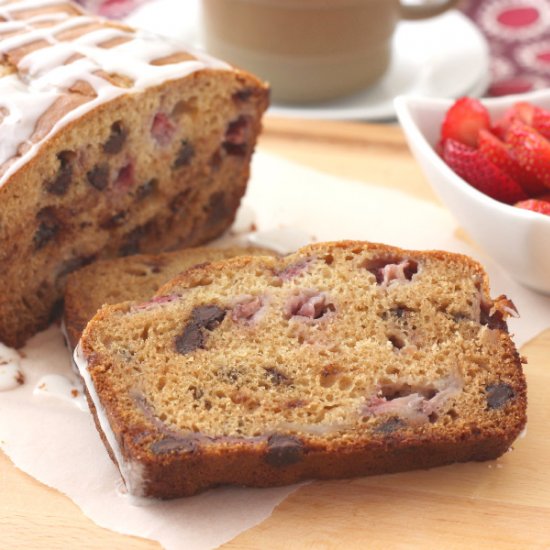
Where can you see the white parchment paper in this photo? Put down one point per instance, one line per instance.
(57, 443)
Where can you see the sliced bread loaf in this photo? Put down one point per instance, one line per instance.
(114, 141)
(343, 359)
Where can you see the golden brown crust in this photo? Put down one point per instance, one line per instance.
(450, 388)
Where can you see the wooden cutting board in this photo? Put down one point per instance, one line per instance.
(503, 504)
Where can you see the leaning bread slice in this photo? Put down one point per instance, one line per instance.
(343, 359)
(131, 278)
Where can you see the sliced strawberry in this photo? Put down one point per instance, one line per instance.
(532, 115)
(541, 121)
(536, 205)
(162, 129)
(481, 173)
(522, 111)
(531, 150)
(500, 154)
(464, 120)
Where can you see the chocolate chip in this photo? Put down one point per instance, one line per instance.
(235, 149)
(218, 209)
(60, 184)
(277, 377)
(208, 317)
(174, 444)
(44, 234)
(114, 221)
(397, 340)
(129, 248)
(116, 140)
(498, 395)
(193, 336)
(390, 425)
(48, 227)
(146, 189)
(243, 95)
(190, 339)
(283, 450)
(185, 154)
(131, 244)
(98, 176)
(179, 201)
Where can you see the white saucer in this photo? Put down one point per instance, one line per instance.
(445, 56)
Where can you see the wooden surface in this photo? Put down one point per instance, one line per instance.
(503, 504)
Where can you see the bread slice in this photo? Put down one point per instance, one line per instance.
(114, 141)
(343, 359)
(135, 277)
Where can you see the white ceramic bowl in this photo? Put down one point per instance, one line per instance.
(519, 240)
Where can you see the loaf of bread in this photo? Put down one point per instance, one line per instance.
(343, 359)
(135, 278)
(114, 141)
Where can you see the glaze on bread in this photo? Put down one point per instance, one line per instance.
(114, 141)
(343, 359)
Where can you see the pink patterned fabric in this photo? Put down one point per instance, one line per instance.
(115, 9)
(518, 32)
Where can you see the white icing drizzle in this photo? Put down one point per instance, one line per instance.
(61, 388)
(131, 472)
(43, 76)
(11, 376)
(24, 109)
(45, 59)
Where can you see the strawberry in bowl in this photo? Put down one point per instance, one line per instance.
(489, 163)
(509, 163)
